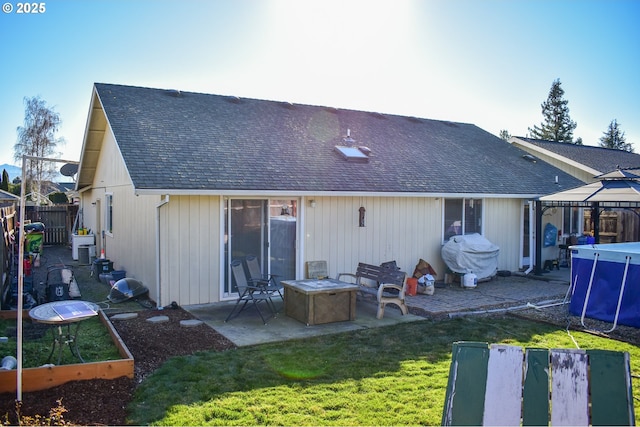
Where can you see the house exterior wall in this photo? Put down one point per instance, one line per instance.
(502, 227)
(399, 228)
(396, 228)
(572, 170)
(190, 250)
(131, 245)
(552, 159)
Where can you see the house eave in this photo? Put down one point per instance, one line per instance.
(552, 154)
(290, 193)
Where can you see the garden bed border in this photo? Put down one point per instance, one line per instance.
(41, 378)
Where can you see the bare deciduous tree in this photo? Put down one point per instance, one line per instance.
(37, 138)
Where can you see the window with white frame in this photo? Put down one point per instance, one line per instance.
(462, 216)
(571, 221)
(108, 198)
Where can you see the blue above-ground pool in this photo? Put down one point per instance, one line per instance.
(605, 281)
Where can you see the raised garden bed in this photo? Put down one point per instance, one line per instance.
(42, 378)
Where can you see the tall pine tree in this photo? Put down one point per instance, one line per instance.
(614, 138)
(557, 125)
(4, 185)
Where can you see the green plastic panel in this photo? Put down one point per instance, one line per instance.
(535, 396)
(464, 403)
(611, 401)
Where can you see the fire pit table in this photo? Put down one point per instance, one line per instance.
(317, 301)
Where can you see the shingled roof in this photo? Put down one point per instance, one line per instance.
(182, 141)
(597, 158)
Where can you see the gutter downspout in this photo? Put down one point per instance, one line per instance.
(531, 239)
(163, 202)
(538, 229)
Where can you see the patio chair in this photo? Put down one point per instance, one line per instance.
(248, 293)
(504, 385)
(267, 281)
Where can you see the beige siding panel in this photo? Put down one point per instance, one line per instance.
(502, 227)
(577, 172)
(191, 272)
(110, 167)
(401, 229)
(170, 241)
(132, 228)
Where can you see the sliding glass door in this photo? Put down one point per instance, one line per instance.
(266, 228)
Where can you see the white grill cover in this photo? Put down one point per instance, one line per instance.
(471, 253)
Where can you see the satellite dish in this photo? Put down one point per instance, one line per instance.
(69, 169)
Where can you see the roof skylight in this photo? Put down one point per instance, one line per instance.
(352, 154)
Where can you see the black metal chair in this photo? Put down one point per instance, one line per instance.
(267, 281)
(248, 293)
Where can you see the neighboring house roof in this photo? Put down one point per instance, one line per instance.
(65, 187)
(58, 187)
(5, 196)
(598, 159)
(175, 141)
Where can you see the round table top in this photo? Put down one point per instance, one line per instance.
(61, 312)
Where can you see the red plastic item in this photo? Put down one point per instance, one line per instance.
(26, 267)
(412, 286)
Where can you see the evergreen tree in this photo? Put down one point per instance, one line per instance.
(557, 125)
(614, 138)
(4, 185)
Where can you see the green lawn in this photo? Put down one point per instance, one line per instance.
(385, 376)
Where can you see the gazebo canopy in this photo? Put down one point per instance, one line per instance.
(616, 189)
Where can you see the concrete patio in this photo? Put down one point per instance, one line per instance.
(451, 300)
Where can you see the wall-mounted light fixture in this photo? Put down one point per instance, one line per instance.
(312, 203)
(361, 212)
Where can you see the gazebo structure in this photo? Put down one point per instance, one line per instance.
(617, 189)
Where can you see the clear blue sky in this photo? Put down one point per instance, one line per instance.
(489, 62)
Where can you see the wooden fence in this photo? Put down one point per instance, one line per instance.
(58, 222)
(7, 247)
(616, 226)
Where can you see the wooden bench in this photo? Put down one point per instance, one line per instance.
(504, 385)
(385, 282)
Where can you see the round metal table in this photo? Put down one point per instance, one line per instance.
(62, 315)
